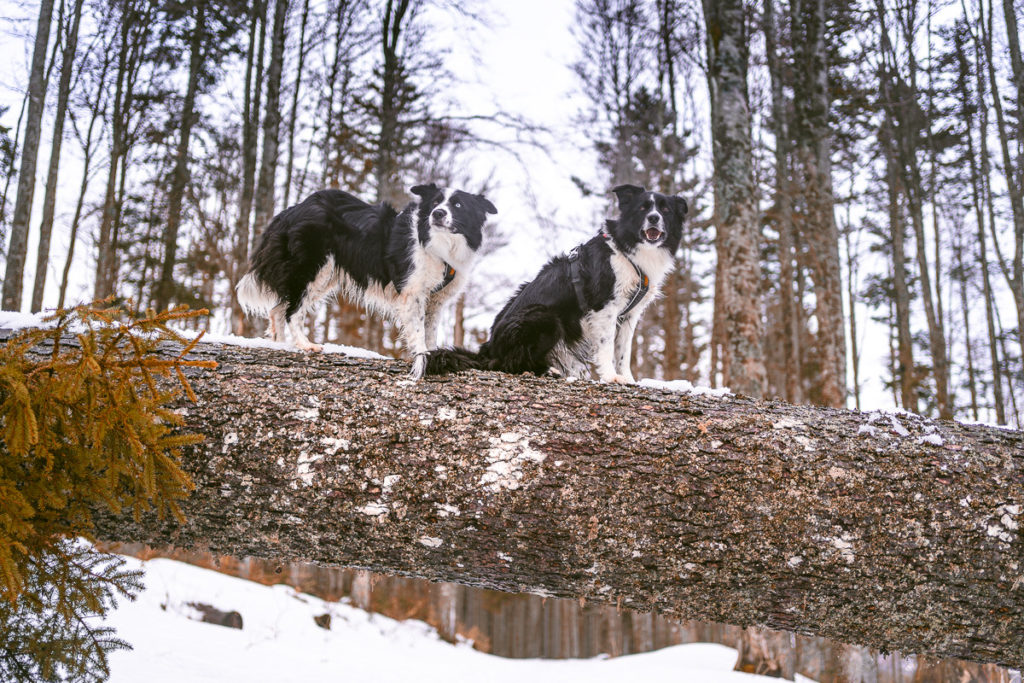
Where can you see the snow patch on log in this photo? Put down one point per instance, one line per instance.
(506, 457)
(430, 541)
(682, 386)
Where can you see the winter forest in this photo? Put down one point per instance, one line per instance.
(854, 171)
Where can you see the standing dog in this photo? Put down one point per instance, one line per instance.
(401, 265)
(581, 309)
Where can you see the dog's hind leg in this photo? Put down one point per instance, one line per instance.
(276, 323)
(299, 338)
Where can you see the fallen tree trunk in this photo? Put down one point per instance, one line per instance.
(886, 530)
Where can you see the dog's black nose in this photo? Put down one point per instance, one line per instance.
(653, 218)
(439, 214)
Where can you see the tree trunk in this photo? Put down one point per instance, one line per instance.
(250, 128)
(179, 176)
(736, 215)
(386, 162)
(295, 104)
(894, 531)
(899, 100)
(783, 213)
(766, 652)
(813, 142)
(965, 314)
(905, 368)
(134, 30)
(1012, 179)
(978, 185)
(50, 194)
(17, 249)
(266, 186)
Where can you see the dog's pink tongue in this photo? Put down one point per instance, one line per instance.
(653, 234)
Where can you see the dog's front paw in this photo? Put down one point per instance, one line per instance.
(617, 379)
(419, 366)
(309, 346)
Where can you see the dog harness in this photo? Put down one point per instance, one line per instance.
(576, 275)
(449, 275)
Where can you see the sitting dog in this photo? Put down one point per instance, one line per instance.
(581, 309)
(402, 265)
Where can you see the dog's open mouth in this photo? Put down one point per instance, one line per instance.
(653, 234)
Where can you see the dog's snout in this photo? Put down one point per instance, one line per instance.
(653, 218)
(439, 214)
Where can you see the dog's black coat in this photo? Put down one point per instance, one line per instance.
(372, 246)
(547, 310)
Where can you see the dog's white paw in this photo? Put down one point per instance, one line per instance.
(617, 379)
(309, 346)
(419, 366)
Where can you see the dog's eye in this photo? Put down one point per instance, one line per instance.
(458, 205)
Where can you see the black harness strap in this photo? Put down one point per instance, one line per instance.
(576, 276)
(449, 275)
(640, 293)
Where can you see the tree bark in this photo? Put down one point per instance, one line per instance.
(17, 250)
(893, 531)
(736, 215)
(50, 193)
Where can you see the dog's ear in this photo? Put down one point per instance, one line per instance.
(424, 191)
(627, 193)
(486, 203)
(680, 205)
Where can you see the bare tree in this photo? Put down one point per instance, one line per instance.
(69, 51)
(266, 186)
(18, 247)
(250, 132)
(164, 288)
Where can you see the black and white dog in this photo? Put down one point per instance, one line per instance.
(581, 309)
(401, 265)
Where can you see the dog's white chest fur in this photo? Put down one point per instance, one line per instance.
(605, 343)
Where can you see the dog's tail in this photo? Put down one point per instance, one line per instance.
(447, 361)
(255, 297)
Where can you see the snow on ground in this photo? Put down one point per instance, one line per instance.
(280, 642)
(12, 320)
